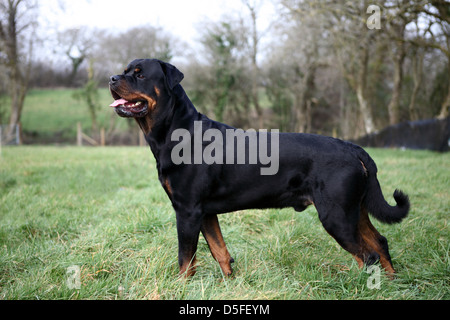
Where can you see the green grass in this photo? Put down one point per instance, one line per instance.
(103, 210)
(50, 113)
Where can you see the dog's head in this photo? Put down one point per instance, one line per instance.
(142, 85)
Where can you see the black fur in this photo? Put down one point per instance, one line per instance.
(338, 177)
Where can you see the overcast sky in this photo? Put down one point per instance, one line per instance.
(182, 18)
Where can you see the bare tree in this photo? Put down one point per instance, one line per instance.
(396, 28)
(113, 52)
(432, 32)
(16, 18)
(438, 14)
(89, 94)
(352, 43)
(254, 40)
(401, 15)
(221, 82)
(77, 44)
(301, 58)
(351, 40)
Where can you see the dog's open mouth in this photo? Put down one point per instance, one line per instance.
(135, 107)
(125, 108)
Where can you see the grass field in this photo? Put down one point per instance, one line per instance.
(55, 112)
(103, 210)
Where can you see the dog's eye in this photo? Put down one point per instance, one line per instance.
(140, 76)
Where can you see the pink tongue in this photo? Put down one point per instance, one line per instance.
(118, 102)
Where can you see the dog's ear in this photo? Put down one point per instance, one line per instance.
(173, 75)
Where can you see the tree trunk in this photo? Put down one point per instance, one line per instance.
(18, 78)
(308, 92)
(394, 104)
(361, 85)
(365, 110)
(444, 113)
(399, 58)
(417, 62)
(255, 69)
(297, 121)
(76, 62)
(18, 90)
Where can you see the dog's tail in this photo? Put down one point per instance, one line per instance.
(375, 203)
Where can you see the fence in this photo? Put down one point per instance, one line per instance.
(14, 137)
(82, 137)
(10, 135)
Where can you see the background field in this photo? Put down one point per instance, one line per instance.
(102, 209)
(51, 115)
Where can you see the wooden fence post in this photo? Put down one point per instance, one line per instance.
(102, 137)
(141, 139)
(79, 135)
(19, 134)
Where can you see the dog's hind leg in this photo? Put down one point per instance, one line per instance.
(374, 240)
(338, 203)
(344, 228)
(213, 235)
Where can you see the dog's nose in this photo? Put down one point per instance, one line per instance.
(114, 79)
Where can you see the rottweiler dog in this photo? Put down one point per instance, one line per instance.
(206, 171)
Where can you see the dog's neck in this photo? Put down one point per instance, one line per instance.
(145, 123)
(175, 113)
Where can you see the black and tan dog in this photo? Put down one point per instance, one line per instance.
(338, 177)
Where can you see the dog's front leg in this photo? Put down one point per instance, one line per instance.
(213, 235)
(188, 228)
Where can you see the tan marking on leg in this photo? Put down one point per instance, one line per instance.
(371, 238)
(213, 235)
(188, 269)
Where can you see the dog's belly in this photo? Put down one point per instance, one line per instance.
(253, 191)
